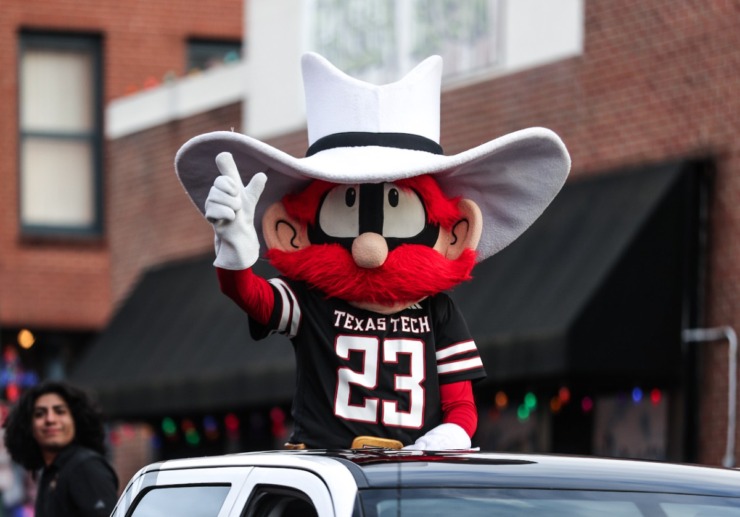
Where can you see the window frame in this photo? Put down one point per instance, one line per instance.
(385, 63)
(91, 44)
(193, 43)
(235, 477)
(144, 494)
(294, 482)
(264, 499)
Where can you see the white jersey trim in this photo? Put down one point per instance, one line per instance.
(290, 316)
(460, 366)
(459, 348)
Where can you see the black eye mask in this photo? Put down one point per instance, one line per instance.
(371, 218)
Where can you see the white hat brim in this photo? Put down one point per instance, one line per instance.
(512, 178)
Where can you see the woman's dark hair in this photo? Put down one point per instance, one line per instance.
(19, 438)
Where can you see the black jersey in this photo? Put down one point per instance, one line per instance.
(364, 373)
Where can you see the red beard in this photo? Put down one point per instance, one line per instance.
(411, 272)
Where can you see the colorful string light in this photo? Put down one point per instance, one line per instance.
(528, 405)
(169, 428)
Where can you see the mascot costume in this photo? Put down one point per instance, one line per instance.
(367, 231)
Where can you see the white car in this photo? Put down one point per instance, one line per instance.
(382, 483)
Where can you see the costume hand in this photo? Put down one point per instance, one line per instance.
(230, 209)
(442, 437)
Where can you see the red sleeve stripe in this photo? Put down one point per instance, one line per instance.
(291, 312)
(460, 366)
(459, 348)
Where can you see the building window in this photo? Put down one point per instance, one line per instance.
(204, 54)
(381, 40)
(60, 119)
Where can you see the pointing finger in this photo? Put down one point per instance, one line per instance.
(227, 167)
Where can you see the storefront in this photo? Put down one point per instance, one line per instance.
(582, 313)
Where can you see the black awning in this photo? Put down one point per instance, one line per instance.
(177, 345)
(594, 289)
(597, 288)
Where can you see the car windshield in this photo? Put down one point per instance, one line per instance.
(537, 502)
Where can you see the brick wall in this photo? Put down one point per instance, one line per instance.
(152, 219)
(131, 449)
(67, 284)
(658, 80)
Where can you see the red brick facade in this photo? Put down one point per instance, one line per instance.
(69, 285)
(658, 80)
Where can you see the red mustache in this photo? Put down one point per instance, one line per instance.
(410, 273)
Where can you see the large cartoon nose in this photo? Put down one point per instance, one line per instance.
(369, 250)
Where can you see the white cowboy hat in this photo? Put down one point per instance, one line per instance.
(364, 133)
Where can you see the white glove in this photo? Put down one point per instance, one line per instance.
(230, 209)
(442, 437)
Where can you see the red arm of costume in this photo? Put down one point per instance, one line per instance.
(458, 405)
(250, 292)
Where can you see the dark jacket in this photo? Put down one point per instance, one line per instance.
(78, 483)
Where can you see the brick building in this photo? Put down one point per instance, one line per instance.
(58, 278)
(646, 87)
(59, 259)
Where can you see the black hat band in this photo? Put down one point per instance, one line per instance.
(363, 139)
